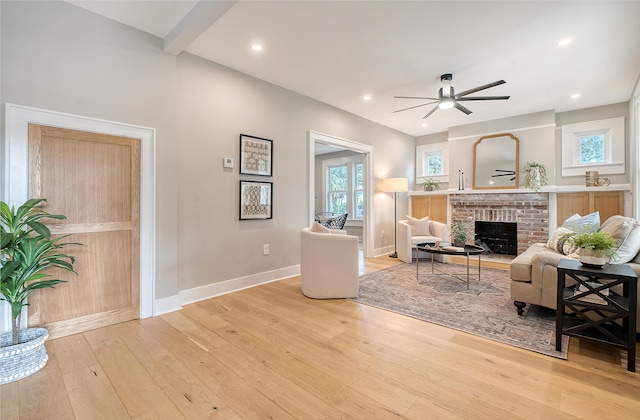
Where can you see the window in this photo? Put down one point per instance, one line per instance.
(344, 186)
(432, 161)
(593, 146)
(591, 149)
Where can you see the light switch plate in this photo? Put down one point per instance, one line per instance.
(227, 162)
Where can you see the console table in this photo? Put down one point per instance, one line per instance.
(597, 311)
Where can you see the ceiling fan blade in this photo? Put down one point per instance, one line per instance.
(414, 97)
(479, 88)
(430, 112)
(411, 107)
(461, 108)
(483, 98)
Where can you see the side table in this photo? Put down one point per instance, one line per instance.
(597, 311)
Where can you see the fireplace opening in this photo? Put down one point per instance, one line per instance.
(500, 237)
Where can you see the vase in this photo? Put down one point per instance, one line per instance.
(535, 180)
(591, 258)
(25, 358)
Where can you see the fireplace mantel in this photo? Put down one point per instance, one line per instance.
(547, 189)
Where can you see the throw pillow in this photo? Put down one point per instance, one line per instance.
(626, 232)
(588, 223)
(558, 241)
(318, 228)
(419, 227)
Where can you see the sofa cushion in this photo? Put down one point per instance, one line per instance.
(558, 241)
(626, 232)
(318, 228)
(419, 227)
(520, 267)
(588, 223)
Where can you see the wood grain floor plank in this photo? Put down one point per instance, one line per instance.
(139, 393)
(269, 351)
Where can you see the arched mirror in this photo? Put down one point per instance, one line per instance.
(495, 162)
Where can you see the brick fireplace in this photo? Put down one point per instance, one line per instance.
(530, 211)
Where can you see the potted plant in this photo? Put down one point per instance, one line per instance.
(535, 175)
(458, 233)
(27, 251)
(430, 185)
(596, 248)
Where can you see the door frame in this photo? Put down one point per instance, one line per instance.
(16, 180)
(367, 165)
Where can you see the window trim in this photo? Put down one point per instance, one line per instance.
(350, 162)
(614, 147)
(426, 149)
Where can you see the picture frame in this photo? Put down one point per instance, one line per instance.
(256, 200)
(256, 155)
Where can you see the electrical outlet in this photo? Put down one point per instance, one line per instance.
(382, 235)
(265, 249)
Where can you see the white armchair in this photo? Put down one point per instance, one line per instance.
(407, 243)
(328, 264)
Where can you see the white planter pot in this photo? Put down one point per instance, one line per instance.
(25, 358)
(590, 259)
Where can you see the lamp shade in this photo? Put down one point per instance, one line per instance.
(395, 185)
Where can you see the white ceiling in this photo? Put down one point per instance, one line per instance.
(339, 51)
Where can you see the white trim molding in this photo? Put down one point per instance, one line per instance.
(367, 165)
(16, 178)
(614, 146)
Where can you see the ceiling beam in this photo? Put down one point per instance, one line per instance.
(198, 20)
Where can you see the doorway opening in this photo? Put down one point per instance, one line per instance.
(319, 142)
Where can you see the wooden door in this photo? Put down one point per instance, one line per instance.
(94, 180)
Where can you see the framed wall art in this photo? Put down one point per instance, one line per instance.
(256, 155)
(255, 200)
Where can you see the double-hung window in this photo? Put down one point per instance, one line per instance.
(343, 186)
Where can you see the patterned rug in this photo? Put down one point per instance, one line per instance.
(484, 310)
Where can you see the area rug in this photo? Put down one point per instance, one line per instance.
(485, 309)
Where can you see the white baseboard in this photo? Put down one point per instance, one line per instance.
(166, 305)
(222, 288)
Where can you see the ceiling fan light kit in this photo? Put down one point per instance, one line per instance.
(448, 99)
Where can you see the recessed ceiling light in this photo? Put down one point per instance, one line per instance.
(367, 97)
(575, 96)
(565, 42)
(256, 47)
(424, 124)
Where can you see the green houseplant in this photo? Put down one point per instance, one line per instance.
(27, 251)
(459, 232)
(595, 247)
(430, 185)
(535, 175)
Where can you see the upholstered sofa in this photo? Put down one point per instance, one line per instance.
(412, 231)
(534, 275)
(328, 263)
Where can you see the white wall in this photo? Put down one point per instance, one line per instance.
(215, 105)
(59, 57)
(62, 58)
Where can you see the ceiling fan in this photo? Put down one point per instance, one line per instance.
(448, 99)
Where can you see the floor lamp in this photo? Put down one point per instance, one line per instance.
(395, 185)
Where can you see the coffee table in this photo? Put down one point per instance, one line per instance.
(440, 249)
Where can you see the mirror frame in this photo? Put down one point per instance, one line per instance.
(517, 162)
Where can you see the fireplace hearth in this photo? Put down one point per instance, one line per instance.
(500, 237)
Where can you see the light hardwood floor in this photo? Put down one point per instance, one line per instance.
(269, 352)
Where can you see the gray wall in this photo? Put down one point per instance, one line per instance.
(538, 133)
(62, 58)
